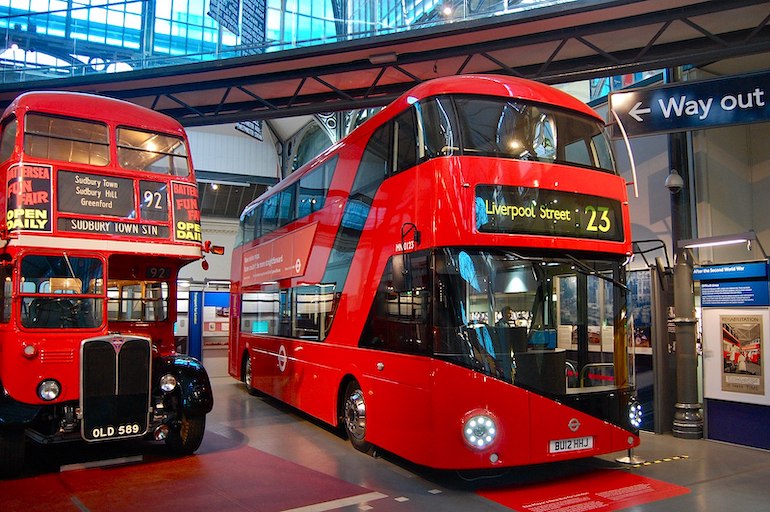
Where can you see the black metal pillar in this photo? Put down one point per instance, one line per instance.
(688, 421)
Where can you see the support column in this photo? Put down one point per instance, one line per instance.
(688, 421)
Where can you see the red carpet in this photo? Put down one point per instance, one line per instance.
(601, 490)
(236, 479)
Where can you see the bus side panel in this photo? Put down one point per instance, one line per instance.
(315, 376)
(398, 390)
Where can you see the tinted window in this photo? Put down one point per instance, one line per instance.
(375, 161)
(434, 123)
(511, 129)
(313, 188)
(405, 138)
(399, 318)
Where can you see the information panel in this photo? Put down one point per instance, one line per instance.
(737, 284)
(536, 211)
(91, 194)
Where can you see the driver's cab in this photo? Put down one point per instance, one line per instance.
(61, 291)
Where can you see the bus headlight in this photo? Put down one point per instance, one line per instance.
(48, 390)
(635, 414)
(480, 431)
(167, 382)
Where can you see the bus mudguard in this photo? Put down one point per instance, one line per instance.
(194, 386)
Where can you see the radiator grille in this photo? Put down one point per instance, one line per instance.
(115, 392)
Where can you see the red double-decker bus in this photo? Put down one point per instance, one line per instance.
(446, 283)
(101, 212)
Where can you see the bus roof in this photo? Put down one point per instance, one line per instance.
(489, 85)
(111, 110)
(496, 85)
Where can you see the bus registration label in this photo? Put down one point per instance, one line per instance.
(571, 445)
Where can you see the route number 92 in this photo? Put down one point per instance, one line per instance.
(599, 219)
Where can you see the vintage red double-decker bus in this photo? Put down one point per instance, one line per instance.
(100, 212)
(447, 282)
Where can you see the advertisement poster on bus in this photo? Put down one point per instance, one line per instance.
(742, 353)
(187, 219)
(28, 198)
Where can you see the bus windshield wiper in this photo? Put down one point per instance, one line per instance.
(69, 265)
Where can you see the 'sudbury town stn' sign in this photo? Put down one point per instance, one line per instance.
(694, 105)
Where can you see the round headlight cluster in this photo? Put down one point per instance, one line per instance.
(635, 414)
(48, 390)
(480, 431)
(167, 382)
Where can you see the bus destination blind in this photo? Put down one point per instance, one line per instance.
(91, 203)
(523, 210)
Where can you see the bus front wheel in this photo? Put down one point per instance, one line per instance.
(11, 452)
(188, 435)
(354, 417)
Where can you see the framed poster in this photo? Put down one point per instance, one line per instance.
(742, 340)
(733, 353)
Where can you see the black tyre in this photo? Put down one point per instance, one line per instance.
(354, 417)
(246, 375)
(11, 452)
(186, 437)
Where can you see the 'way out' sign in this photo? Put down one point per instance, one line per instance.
(694, 105)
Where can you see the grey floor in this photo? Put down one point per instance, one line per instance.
(717, 476)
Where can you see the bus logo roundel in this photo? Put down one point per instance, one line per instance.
(282, 358)
(573, 424)
(298, 265)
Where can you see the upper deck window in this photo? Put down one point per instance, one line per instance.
(66, 139)
(502, 127)
(8, 140)
(152, 152)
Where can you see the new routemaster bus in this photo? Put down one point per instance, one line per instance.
(447, 282)
(100, 211)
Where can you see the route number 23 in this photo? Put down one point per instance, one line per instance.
(600, 219)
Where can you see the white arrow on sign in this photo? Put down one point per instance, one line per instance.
(636, 111)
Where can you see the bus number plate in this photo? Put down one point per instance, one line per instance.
(571, 445)
(110, 432)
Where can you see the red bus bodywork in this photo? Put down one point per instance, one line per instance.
(96, 225)
(416, 404)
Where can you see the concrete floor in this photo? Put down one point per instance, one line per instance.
(260, 455)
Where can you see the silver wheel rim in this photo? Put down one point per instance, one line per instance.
(247, 372)
(355, 415)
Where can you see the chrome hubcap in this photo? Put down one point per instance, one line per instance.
(247, 372)
(355, 415)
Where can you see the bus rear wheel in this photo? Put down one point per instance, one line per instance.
(11, 452)
(354, 417)
(187, 436)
